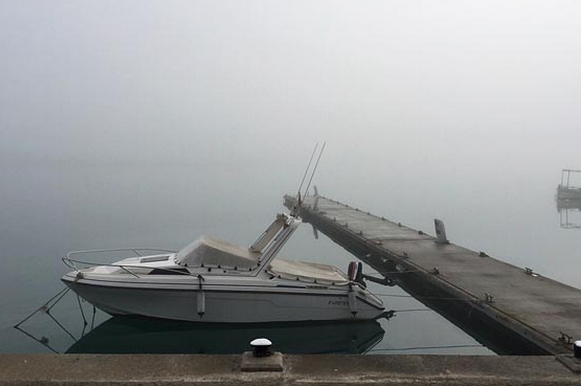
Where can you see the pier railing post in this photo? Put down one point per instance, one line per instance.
(440, 232)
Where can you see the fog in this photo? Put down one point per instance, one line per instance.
(131, 121)
(388, 84)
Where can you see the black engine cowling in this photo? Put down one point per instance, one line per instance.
(355, 273)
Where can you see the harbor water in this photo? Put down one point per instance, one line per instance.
(52, 207)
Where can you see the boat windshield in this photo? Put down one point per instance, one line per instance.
(212, 252)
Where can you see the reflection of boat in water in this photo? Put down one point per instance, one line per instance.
(125, 335)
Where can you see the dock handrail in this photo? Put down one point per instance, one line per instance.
(567, 172)
(72, 263)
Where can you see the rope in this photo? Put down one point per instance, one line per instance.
(463, 300)
(62, 327)
(45, 307)
(93, 318)
(42, 342)
(82, 312)
(428, 347)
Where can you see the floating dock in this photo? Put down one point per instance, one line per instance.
(509, 309)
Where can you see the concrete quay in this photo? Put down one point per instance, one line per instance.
(183, 370)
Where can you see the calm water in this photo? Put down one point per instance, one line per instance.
(48, 208)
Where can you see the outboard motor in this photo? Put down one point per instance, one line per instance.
(359, 277)
(355, 273)
(352, 270)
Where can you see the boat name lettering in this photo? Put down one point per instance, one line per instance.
(338, 303)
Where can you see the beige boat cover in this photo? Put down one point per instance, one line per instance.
(323, 273)
(213, 252)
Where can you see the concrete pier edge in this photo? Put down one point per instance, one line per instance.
(86, 369)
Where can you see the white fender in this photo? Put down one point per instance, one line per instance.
(352, 302)
(201, 303)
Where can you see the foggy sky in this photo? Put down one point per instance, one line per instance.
(395, 87)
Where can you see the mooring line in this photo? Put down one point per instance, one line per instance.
(482, 299)
(413, 310)
(37, 340)
(428, 347)
(62, 327)
(82, 312)
(45, 307)
(58, 300)
(93, 318)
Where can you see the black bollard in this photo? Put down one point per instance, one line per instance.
(261, 347)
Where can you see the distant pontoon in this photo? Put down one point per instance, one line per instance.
(565, 191)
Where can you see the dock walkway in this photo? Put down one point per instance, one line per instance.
(473, 290)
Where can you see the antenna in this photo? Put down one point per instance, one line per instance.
(307, 170)
(315, 168)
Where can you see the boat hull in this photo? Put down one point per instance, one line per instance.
(234, 305)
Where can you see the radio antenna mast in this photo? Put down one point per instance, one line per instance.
(306, 172)
(315, 169)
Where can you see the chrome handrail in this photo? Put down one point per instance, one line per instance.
(134, 250)
(72, 263)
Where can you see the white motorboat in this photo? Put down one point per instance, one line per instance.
(214, 281)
